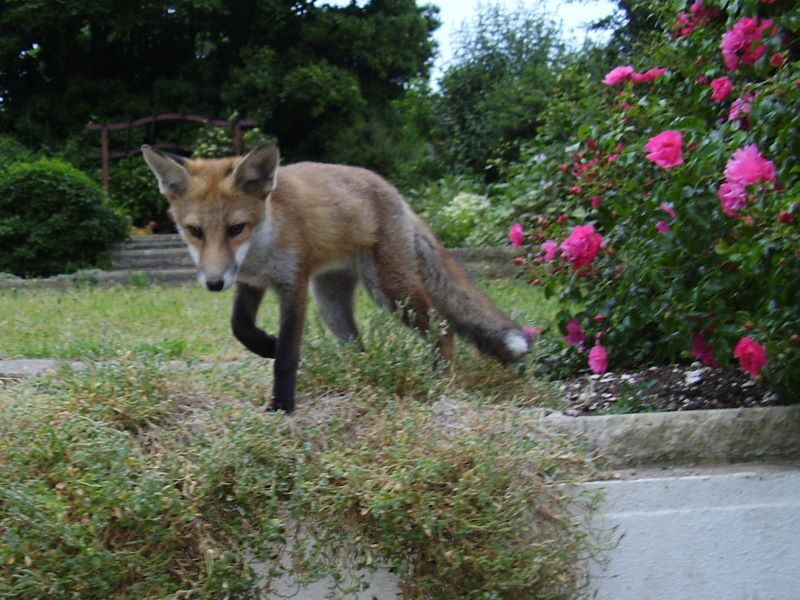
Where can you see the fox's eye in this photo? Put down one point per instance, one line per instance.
(235, 230)
(195, 231)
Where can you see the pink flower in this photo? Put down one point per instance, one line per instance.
(664, 149)
(741, 107)
(582, 246)
(785, 217)
(618, 75)
(752, 355)
(596, 200)
(747, 166)
(648, 75)
(532, 332)
(598, 359)
(549, 248)
(516, 235)
(732, 197)
(575, 335)
(743, 42)
(702, 350)
(663, 227)
(721, 87)
(669, 209)
(518, 260)
(777, 60)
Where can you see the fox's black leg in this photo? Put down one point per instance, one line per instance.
(287, 355)
(243, 321)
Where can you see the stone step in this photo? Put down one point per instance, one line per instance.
(147, 258)
(166, 240)
(167, 253)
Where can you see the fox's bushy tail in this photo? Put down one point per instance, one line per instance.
(465, 307)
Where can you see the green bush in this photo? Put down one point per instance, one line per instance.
(693, 251)
(53, 219)
(12, 151)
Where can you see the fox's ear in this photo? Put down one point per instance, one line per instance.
(173, 178)
(256, 173)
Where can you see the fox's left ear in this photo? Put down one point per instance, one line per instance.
(256, 173)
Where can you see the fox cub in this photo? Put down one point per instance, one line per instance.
(252, 224)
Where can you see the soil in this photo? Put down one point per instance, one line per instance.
(690, 387)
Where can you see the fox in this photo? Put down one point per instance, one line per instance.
(255, 225)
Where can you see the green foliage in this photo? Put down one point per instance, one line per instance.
(460, 213)
(12, 151)
(650, 294)
(53, 219)
(133, 479)
(217, 142)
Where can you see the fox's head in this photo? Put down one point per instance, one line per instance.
(216, 205)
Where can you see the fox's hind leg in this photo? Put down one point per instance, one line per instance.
(396, 287)
(334, 295)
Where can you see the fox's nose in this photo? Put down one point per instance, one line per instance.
(216, 285)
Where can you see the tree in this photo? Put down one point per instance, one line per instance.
(492, 96)
(305, 71)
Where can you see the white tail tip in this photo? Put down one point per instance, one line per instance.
(517, 343)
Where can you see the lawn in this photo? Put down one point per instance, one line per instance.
(128, 477)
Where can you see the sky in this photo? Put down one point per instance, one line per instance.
(574, 16)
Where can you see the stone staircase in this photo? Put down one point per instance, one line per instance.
(164, 259)
(159, 258)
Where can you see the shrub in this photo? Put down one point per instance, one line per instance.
(689, 178)
(460, 213)
(12, 151)
(53, 219)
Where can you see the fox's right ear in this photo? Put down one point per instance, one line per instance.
(173, 178)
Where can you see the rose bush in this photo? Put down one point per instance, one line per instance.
(690, 183)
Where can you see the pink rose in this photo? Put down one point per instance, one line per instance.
(747, 166)
(740, 108)
(648, 75)
(575, 335)
(721, 87)
(702, 350)
(598, 359)
(532, 332)
(582, 246)
(516, 235)
(732, 198)
(663, 227)
(549, 248)
(618, 75)
(596, 200)
(664, 149)
(742, 42)
(752, 355)
(669, 209)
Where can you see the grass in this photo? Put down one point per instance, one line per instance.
(131, 478)
(181, 322)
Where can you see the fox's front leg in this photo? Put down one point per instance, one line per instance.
(243, 321)
(287, 355)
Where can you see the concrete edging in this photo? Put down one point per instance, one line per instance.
(719, 436)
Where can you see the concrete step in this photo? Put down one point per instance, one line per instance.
(151, 258)
(166, 240)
